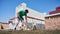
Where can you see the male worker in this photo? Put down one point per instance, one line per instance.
(20, 15)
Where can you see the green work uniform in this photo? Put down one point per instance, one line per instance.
(22, 13)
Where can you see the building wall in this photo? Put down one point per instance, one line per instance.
(52, 22)
(3, 25)
(0, 25)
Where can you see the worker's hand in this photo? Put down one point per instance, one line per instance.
(26, 21)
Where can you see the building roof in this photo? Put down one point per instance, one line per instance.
(53, 15)
(57, 10)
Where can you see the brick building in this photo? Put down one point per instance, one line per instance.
(52, 21)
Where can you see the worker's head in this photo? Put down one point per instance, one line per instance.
(26, 11)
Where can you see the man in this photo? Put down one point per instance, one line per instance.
(20, 15)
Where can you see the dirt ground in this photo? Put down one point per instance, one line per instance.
(30, 32)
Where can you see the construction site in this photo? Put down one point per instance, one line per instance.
(36, 20)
